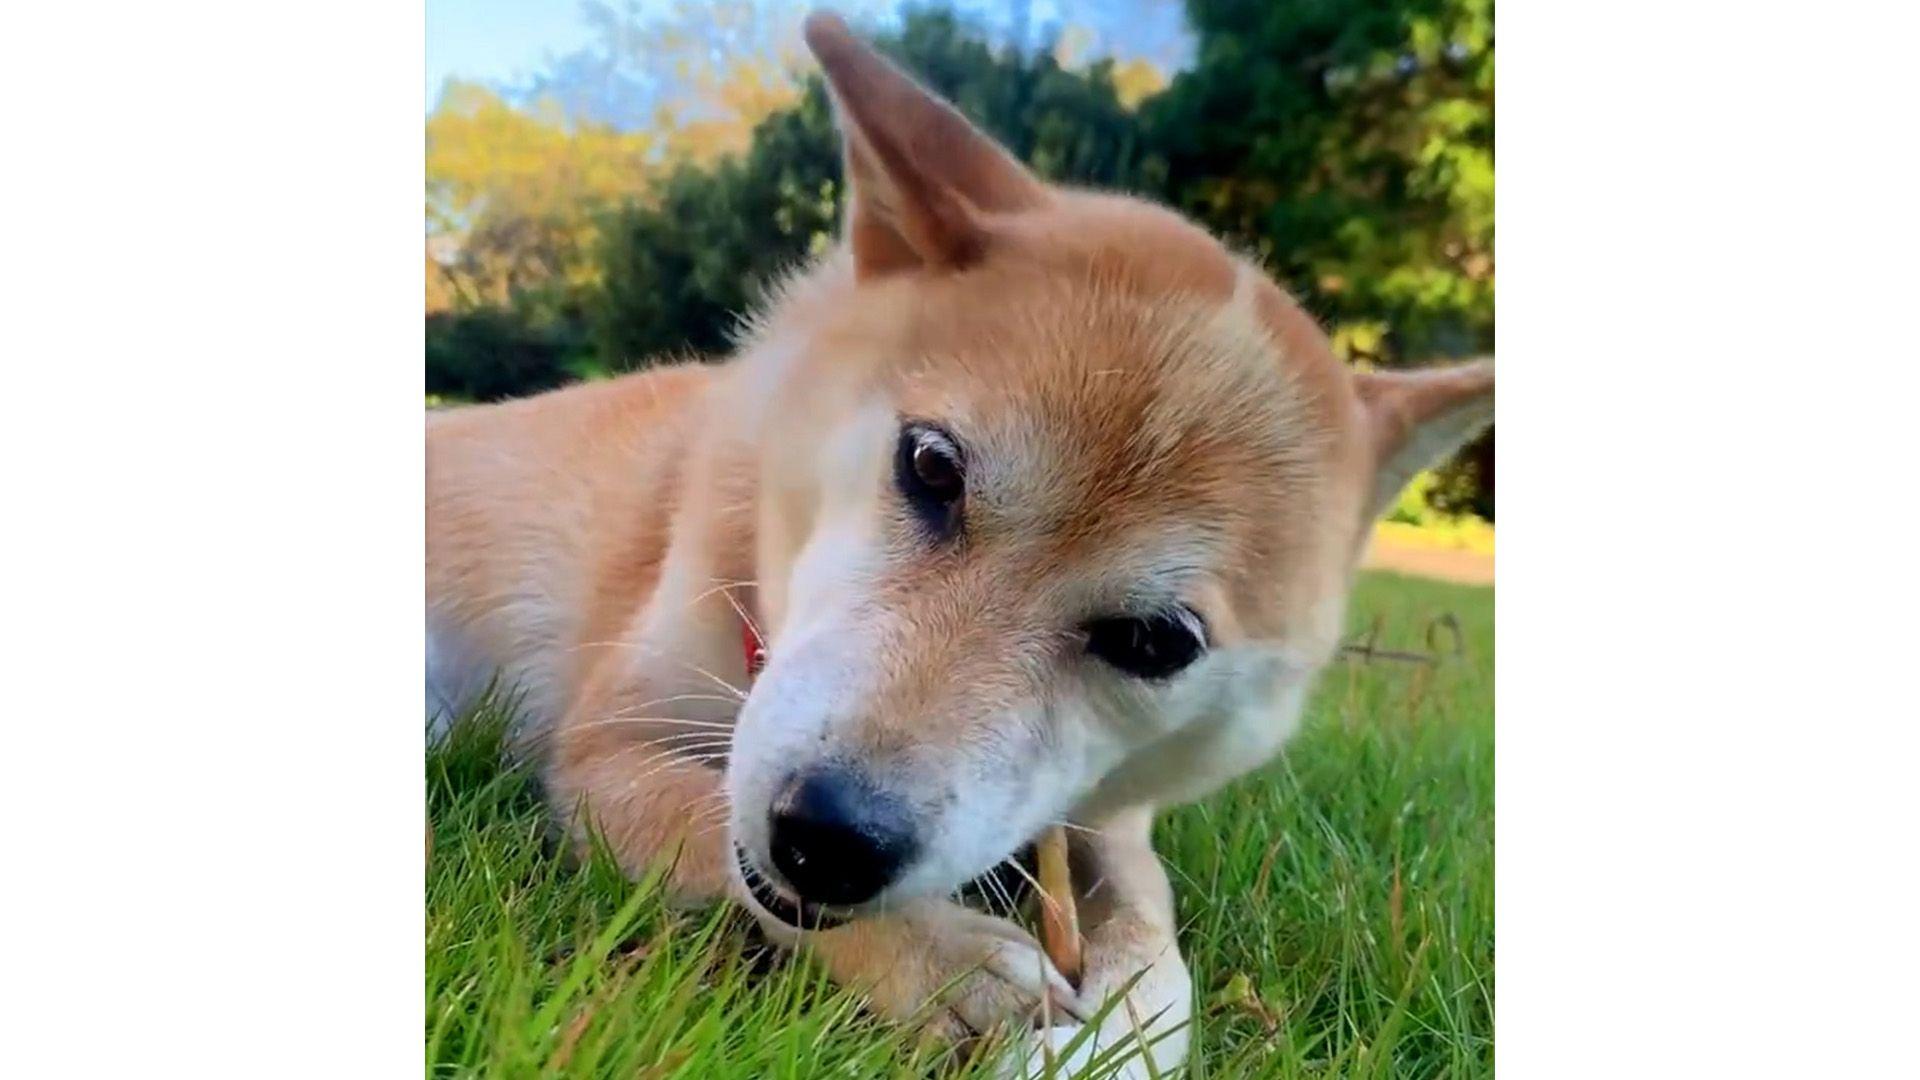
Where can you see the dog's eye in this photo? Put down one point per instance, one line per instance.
(1149, 647)
(931, 475)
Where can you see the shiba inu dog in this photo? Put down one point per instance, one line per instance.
(1040, 506)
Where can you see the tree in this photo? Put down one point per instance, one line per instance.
(1349, 143)
(680, 268)
(512, 196)
(519, 179)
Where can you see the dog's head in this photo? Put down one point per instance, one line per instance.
(1059, 505)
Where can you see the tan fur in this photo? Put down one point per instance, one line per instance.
(1143, 410)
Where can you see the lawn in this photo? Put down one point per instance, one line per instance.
(1337, 906)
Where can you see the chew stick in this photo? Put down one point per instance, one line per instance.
(1059, 918)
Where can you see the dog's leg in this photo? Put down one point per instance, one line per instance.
(1128, 919)
(651, 788)
(959, 972)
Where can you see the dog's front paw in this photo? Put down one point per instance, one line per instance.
(1137, 999)
(960, 971)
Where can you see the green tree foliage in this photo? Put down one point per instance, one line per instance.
(681, 269)
(511, 195)
(488, 353)
(1349, 144)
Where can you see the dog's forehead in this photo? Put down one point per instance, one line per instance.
(1131, 329)
(1108, 425)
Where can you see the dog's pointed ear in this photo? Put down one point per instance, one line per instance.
(1416, 418)
(919, 175)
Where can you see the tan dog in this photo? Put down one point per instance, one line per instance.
(1047, 507)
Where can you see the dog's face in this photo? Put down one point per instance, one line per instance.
(1059, 504)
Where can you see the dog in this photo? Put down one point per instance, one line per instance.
(1037, 505)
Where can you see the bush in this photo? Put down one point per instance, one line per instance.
(1419, 517)
(491, 353)
(1465, 484)
(679, 272)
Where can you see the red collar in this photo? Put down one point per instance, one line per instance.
(753, 646)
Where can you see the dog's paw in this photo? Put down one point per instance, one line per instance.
(959, 971)
(1112, 1049)
(1073, 1051)
(1137, 1010)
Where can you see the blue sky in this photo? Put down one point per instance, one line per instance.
(495, 40)
(508, 40)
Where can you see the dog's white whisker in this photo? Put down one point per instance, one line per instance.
(673, 759)
(1000, 889)
(1071, 826)
(696, 735)
(744, 617)
(585, 645)
(723, 587)
(716, 730)
(683, 748)
(686, 697)
(738, 694)
(705, 750)
(534, 739)
(720, 738)
(1045, 898)
(669, 758)
(642, 713)
(714, 726)
(652, 650)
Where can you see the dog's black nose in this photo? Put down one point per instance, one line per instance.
(837, 838)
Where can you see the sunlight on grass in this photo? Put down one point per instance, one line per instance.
(1337, 907)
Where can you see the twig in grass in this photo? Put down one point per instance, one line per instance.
(1265, 876)
(570, 1038)
(1446, 621)
(1366, 650)
(1396, 907)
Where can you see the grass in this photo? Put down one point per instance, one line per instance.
(1338, 908)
